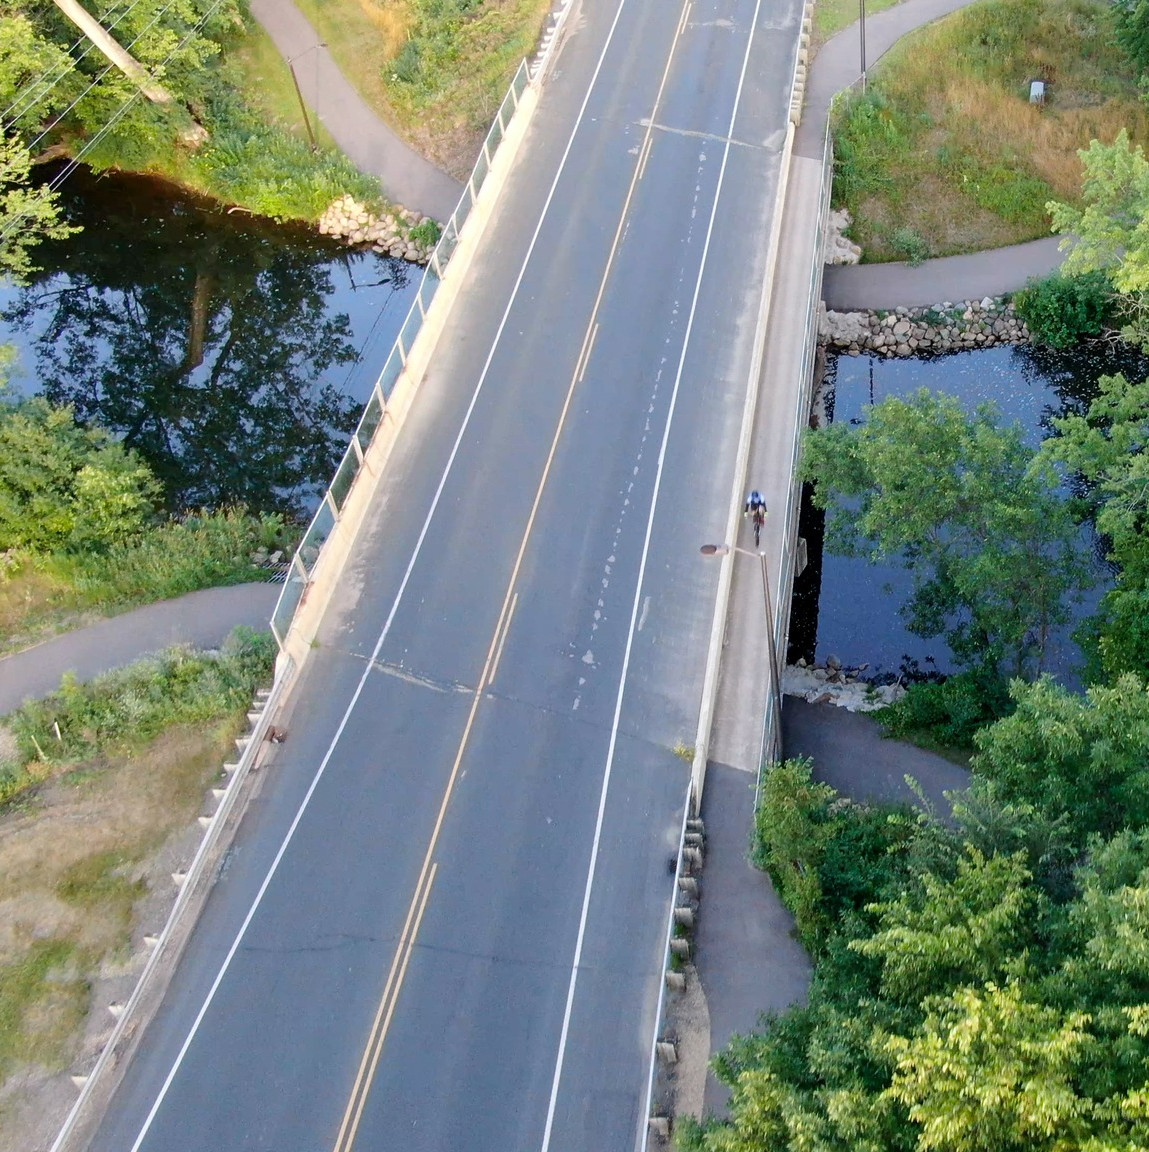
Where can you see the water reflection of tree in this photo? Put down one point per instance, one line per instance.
(1073, 372)
(199, 338)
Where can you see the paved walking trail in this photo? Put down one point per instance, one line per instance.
(201, 619)
(407, 178)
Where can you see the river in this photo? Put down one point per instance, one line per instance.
(233, 353)
(848, 607)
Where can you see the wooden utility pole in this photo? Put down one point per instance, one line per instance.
(126, 63)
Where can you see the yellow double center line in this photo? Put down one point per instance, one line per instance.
(407, 938)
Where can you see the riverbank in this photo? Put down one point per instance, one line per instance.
(945, 327)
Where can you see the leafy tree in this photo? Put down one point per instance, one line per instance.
(1112, 229)
(969, 509)
(971, 929)
(994, 826)
(65, 99)
(1107, 447)
(1086, 757)
(28, 213)
(1133, 30)
(992, 1071)
(66, 487)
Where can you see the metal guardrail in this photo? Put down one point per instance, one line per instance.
(327, 515)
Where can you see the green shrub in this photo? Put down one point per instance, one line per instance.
(428, 232)
(128, 707)
(947, 714)
(870, 135)
(203, 550)
(64, 487)
(270, 171)
(790, 834)
(910, 245)
(1133, 30)
(1061, 310)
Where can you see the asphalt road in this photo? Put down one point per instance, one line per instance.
(442, 925)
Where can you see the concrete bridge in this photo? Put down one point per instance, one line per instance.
(446, 922)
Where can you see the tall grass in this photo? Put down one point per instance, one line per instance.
(270, 170)
(197, 551)
(41, 595)
(945, 142)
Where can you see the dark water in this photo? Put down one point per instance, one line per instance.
(234, 354)
(849, 607)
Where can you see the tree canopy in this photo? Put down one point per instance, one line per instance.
(980, 984)
(1111, 230)
(1107, 447)
(63, 487)
(973, 513)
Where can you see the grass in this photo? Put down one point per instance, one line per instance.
(831, 16)
(42, 1002)
(41, 596)
(944, 154)
(77, 854)
(266, 83)
(435, 69)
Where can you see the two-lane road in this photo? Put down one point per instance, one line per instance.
(442, 925)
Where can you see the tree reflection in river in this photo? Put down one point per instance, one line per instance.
(201, 338)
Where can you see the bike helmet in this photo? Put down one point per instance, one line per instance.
(755, 497)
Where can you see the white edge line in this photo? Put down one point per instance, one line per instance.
(165, 1088)
(641, 1139)
(577, 959)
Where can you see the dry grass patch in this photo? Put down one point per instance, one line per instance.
(434, 69)
(36, 603)
(74, 862)
(946, 143)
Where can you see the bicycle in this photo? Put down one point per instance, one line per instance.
(759, 520)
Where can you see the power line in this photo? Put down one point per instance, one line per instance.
(118, 115)
(22, 97)
(108, 68)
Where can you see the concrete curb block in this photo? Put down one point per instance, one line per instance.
(551, 39)
(99, 1084)
(337, 547)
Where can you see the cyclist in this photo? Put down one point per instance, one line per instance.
(755, 505)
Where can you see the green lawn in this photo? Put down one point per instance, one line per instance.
(831, 16)
(267, 85)
(945, 154)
